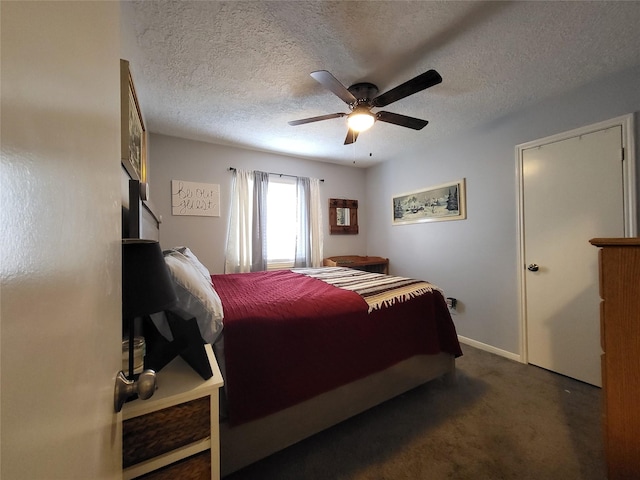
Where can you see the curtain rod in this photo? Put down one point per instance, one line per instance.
(233, 169)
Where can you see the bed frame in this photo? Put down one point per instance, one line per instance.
(249, 442)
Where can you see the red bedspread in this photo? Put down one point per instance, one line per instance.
(289, 337)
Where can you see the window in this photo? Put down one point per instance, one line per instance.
(281, 222)
(285, 231)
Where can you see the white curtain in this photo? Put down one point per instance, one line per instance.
(239, 244)
(309, 219)
(259, 221)
(247, 238)
(315, 226)
(303, 236)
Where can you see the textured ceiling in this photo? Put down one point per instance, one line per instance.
(236, 72)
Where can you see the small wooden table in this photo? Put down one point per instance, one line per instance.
(368, 264)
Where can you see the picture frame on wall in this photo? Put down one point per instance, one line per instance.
(432, 204)
(133, 133)
(343, 216)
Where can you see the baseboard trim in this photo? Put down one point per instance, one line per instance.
(490, 349)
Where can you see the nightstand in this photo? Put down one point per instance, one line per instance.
(368, 264)
(174, 434)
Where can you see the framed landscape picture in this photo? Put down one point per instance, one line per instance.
(432, 204)
(133, 134)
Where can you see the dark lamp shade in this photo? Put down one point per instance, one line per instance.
(146, 284)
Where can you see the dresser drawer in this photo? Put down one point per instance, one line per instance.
(162, 431)
(603, 342)
(600, 274)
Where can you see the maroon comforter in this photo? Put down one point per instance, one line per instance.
(289, 337)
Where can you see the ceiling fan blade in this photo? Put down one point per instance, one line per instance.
(316, 119)
(352, 136)
(416, 84)
(331, 83)
(402, 120)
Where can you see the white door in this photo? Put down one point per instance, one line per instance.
(572, 192)
(60, 274)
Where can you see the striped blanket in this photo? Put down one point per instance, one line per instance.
(378, 290)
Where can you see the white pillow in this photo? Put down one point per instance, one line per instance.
(196, 296)
(194, 261)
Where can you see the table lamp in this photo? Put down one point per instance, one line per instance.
(146, 288)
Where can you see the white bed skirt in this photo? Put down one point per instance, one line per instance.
(252, 441)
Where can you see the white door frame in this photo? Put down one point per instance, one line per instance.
(629, 198)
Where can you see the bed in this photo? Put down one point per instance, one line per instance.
(302, 350)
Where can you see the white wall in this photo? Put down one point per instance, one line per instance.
(60, 270)
(475, 260)
(172, 158)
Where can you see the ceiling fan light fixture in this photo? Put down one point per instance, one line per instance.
(360, 120)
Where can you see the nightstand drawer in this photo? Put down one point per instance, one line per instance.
(162, 431)
(194, 468)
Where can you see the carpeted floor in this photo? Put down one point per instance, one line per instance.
(503, 420)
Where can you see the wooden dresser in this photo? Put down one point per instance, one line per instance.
(620, 340)
(368, 264)
(174, 434)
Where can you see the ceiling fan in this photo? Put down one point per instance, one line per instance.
(361, 98)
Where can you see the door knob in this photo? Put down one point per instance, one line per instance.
(144, 387)
(533, 267)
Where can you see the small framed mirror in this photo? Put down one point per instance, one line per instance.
(343, 216)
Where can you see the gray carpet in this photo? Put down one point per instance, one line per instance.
(503, 420)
